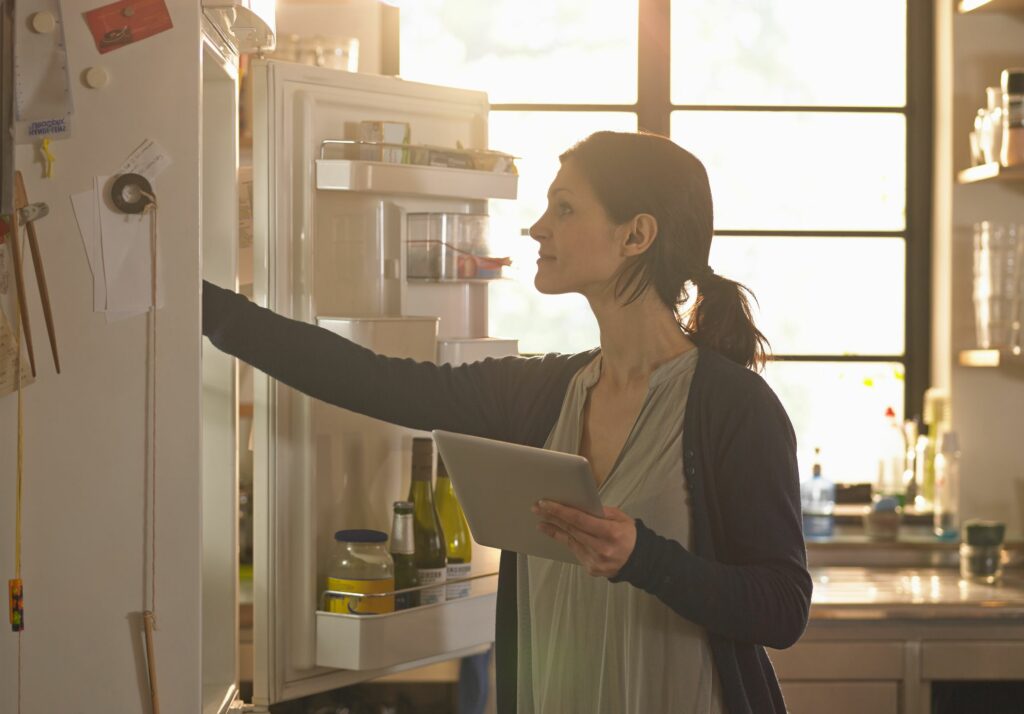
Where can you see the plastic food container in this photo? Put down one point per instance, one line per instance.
(450, 246)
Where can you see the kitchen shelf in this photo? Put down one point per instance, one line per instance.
(413, 179)
(969, 6)
(420, 634)
(992, 358)
(991, 172)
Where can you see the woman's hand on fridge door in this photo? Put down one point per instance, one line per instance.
(601, 545)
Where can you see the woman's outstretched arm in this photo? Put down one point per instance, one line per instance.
(495, 398)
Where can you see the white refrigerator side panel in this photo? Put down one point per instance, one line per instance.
(305, 488)
(85, 542)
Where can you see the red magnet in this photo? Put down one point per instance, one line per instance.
(122, 23)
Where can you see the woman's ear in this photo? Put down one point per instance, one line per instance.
(639, 234)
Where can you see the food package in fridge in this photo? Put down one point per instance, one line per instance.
(386, 141)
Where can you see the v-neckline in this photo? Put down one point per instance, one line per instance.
(590, 375)
(589, 383)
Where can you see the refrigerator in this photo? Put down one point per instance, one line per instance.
(116, 523)
(334, 237)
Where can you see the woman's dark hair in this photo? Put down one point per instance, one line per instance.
(647, 173)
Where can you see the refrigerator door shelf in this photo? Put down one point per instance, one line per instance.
(465, 350)
(248, 25)
(405, 337)
(411, 179)
(408, 638)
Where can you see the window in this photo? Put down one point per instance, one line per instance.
(808, 115)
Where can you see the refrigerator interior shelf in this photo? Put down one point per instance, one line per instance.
(412, 179)
(365, 642)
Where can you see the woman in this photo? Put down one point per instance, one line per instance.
(699, 561)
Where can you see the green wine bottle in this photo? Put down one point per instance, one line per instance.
(458, 543)
(403, 549)
(430, 556)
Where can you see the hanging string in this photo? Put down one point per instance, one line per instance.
(149, 617)
(15, 590)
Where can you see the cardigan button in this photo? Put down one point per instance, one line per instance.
(689, 453)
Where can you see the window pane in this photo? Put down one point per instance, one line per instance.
(554, 52)
(840, 407)
(789, 52)
(821, 295)
(542, 323)
(800, 171)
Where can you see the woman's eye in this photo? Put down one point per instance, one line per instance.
(564, 208)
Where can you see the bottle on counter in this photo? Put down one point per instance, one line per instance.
(892, 456)
(818, 502)
(947, 487)
(458, 543)
(361, 566)
(430, 557)
(403, 549)
(936, 418)
(911, 428)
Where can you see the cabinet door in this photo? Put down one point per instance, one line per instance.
(876, 661)
(841, 697)
(972, 660)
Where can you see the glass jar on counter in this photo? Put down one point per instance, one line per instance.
(981, 552)
(361, 566)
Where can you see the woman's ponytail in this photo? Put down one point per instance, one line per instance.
(720, 319)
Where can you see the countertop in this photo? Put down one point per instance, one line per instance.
(856, 593)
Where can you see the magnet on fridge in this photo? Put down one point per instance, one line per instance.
(44, 22)
(97, 77)
(44, 147)
(126, 21)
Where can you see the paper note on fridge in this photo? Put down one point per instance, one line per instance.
(88, 217)
(117, 246)
(149, 160)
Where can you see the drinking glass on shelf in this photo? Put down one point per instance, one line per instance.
(998, 283)
(991, 139)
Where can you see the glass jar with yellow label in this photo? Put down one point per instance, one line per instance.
(361, 565)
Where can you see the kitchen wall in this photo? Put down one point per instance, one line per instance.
(988, 403)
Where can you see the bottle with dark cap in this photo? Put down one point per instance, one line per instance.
(403, 549)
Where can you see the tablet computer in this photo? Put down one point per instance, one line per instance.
(497, 484)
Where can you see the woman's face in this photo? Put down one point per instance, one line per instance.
(578, 243)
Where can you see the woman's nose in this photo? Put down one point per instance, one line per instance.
(537, 231)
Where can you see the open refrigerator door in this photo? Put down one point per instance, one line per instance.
(342, 214)
(228, 29)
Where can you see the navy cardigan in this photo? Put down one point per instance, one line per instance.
(745, 580)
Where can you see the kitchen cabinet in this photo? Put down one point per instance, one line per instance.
(878, 640)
